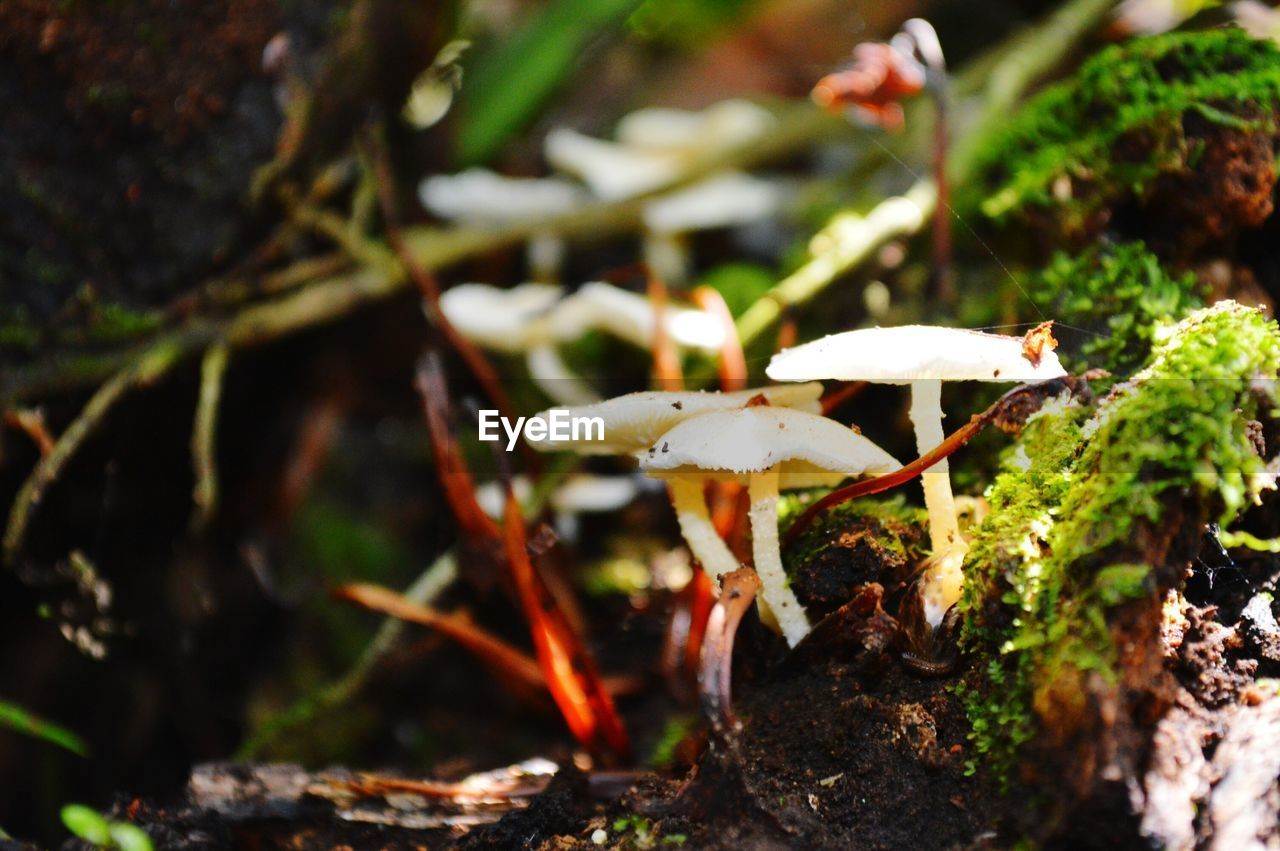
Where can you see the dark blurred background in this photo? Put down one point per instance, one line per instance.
(131, 137)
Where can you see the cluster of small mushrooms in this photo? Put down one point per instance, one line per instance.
(766, 439)
(533, 319)
(775, 438)
(653, 148)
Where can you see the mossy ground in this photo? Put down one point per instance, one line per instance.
(1108, 300)
(1059, 550)
(1127, 118)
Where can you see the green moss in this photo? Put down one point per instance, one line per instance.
(677, 729)
(1118, 124)
(1057, 551)
(17, 330)
(340, 546)
(899, 523)
(1115, 294)
(114, 323)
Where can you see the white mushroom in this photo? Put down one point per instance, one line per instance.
(654, 146)
(724, 124)
(610, 170)
(632, 317)
(521, 320)
(1257, 19)
(768, 449)
(657, 146)
(534, 318)
(922, 357)
(581, 493)
(726, 200)
(485, 199)
(634, 422)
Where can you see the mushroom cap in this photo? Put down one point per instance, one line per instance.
(480, 196)
(736, 121)
(807, 449)
(610, 170)
(634, 422)
(728, 199)
(591, 494)
(514, 319)
(913, 353)
(505, 320)
(654, 146)
(632, 317)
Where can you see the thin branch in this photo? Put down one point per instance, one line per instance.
(488, 648)
(329, 697)
(153, 364)
(204, 435)
(849, 241)
(428, 286)
(714, 681)
(852, 239)
(30, 421)
(1006, 412)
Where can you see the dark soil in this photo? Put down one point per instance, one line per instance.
(128, 139)
(1229, 190)
(854, 555)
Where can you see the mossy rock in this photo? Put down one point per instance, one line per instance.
(1182, 124)
(1090, 525)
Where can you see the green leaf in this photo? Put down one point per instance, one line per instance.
(506, 85)
(20, 720)
(740, 284)
(86, 823)
(686, 23)
(130, 837)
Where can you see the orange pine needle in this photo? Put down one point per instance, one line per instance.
(490, 649)
(787, 333)
(666, 360)
(31, 423)
(700, 600)
(455, 478)
(572, 678)
(733, 361)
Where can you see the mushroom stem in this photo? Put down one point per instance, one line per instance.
(544, 254)
(925, 40)
(667, 256)
(553, 377)
(926, 416)
(698, 530)
(764, 542)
